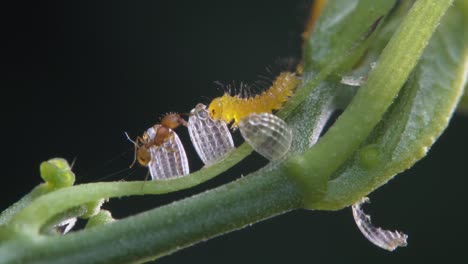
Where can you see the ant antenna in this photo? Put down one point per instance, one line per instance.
(129, 139)
(135, 152)
(113, 174)
(183, 121)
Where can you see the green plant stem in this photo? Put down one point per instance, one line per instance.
(41, 209)
(349, 131)
(38, 213)
(416, 119)
(8, 213)
(370, 103)
(463, 107)
(166, 229)
(309, 85)
(261, 195)
(49, 206)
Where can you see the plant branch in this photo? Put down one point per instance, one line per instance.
(166, 229)
(370, 103)
(41, 209)
(273, 190)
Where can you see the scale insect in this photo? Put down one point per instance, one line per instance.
(160, 149)
(211, 138)
(234, 108)
(268, 134)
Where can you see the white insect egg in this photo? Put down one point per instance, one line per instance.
(388, 240)
(211, 138)
(268, 134)
(169, 159)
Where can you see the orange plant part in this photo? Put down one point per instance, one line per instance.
(315, 10)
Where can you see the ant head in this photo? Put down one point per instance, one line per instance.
(215, 109)
(142, 153)
(173, 120)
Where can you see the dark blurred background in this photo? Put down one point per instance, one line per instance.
(77, 74)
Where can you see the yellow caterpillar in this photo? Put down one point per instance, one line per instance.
(233, 108)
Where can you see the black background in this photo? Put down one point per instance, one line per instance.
(76, 74)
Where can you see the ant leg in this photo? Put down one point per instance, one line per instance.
(144, 182)
(171, 139)
(134, 157)
(176, 154)
(172, 150)
(147, 175)
(136, 144)
(182, 121)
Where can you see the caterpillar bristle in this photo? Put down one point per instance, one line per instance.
(284, 64)
(221, 87)
(245, 90)
(263, 82)
(257, 88)
(271, 90)
(205, 98)
(279, 65)
(232, 108)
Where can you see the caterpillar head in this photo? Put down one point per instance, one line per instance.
(215, 109)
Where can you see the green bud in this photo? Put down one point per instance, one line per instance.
(92, 208)
(102, 218)
(57, 173)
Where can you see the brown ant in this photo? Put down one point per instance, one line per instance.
(162, 133)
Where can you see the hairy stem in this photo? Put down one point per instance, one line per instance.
(41, 209)
(8, 213)
(370, 103)
(169, 228)
(271, 191)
